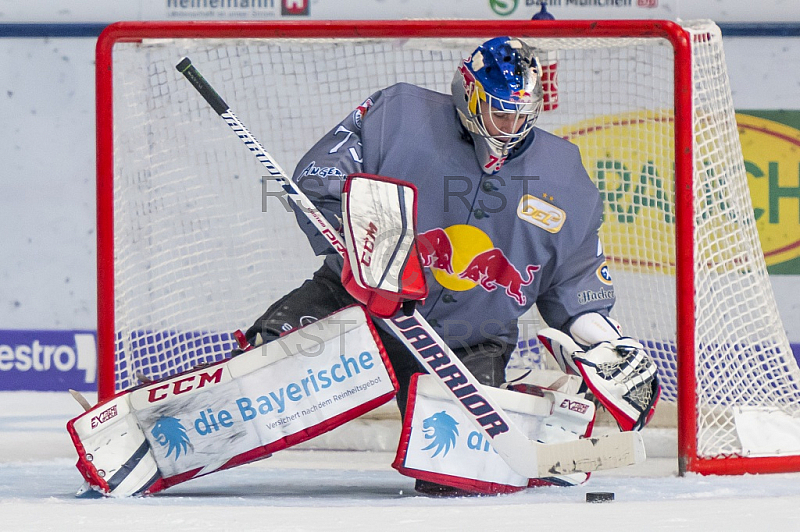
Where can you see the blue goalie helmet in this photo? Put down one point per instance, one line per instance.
(498, 95)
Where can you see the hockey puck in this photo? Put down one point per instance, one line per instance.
(599, 496)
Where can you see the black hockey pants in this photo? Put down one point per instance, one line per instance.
(324, 294)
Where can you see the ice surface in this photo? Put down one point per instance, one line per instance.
(342, 490)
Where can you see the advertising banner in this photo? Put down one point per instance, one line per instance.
(771, 149)
(48, 360)
(83, 11)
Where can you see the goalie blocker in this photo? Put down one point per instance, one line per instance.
(237, 411)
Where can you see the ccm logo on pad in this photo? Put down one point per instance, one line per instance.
(187, 383)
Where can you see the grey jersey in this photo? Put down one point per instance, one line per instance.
(494, 244)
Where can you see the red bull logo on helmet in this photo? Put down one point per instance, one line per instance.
(462, 257)
(521, 95)
(472, 87)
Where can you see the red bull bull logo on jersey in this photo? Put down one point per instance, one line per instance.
(491, 269)
(462, 257)
(436, 250)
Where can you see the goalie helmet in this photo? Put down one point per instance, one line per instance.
(498, 95)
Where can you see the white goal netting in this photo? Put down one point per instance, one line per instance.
(203, 244)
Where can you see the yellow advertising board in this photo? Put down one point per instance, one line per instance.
(771, 152)
(630, 157)
(636, 184)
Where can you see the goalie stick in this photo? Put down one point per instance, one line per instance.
(526, 457)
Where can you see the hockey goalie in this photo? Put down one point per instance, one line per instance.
(317, 377)
(441, 259)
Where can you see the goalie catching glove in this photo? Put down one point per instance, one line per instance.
(619, 373)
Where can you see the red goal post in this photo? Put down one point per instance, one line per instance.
(648, 102)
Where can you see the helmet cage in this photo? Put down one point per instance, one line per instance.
(523, 115)
(502, 77)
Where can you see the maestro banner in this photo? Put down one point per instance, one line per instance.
(48, 360)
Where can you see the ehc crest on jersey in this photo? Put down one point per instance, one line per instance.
(604, 274)
(361, 111)
(442, 429)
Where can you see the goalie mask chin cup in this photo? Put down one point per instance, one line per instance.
(498, 94)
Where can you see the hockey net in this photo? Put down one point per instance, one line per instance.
(193, 243)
